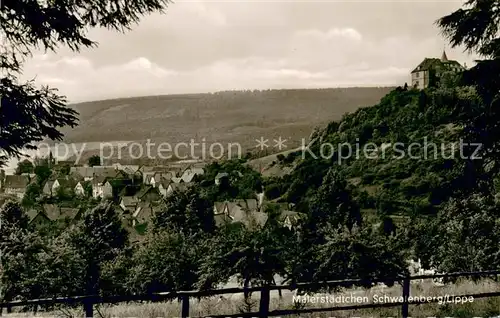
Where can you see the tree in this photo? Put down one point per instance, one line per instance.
(94, 161)
(186, 212)
(20, 252)
(30, 115)
(469, 232)
(166, 261)
(24, 166)
(360, 253)
(254, 256)
(333, 202)
(33, 192)
(98, 237)
(476, 27)
(43, 173)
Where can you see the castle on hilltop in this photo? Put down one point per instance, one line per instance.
(428, 72)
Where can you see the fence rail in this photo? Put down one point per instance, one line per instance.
(90, 300)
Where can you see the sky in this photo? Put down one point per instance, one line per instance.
(205, 46)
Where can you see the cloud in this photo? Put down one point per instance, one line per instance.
(200, 46)
(331, 34)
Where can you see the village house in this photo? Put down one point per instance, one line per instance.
(47, 188)
(290, 219)
(31, 176)
(62, 183)
(241, 211)
(16, 185)
(129, 203)
(89, 173)
(101, 188)
(69, 215)
(147, 176)
(163, 187)
(189, 174)
(62, 214)
(148, 194)
(428, 72)
(37, 218)
(80, 188)
(177, 187)
(144, 213)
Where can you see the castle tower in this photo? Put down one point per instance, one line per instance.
(444, 58)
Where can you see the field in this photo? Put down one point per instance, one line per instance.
(225, 117)
(488, 307)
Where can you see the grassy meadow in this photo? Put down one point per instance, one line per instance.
(487, 307)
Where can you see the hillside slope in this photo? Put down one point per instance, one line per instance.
(240, 116)
(396, 177)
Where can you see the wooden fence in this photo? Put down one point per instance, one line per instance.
(184, 296)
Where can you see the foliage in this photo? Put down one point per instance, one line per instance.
(359, 253)
(94, 161)
(254, 256)
(43, 173)
(98, 237)
(243, 181)
(469, 229)
(20, 251)
(476, 27)
(29, 114)
(166, 261)
(333, 203)
(24, 166)
(186, 212)
(33, 192)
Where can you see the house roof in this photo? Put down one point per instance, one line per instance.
(65, 162)
(219, 207)
(165, 182)
(188, 176)
(426, 64)
(104, 171)
(145, 210)
(32, 213)
(49, 184)
(291, 215)
(85, 172)
(76, 176)
(143, 191)
(99, 180)
(68, 213)
(198, 170)
(51, 211)
(129, 201)
(16, 182)
(429, 63)
(180, 186)
(130, 169)
(176, 180)
(66, 182)
(221, 219)
(247, 204)
(249, 218)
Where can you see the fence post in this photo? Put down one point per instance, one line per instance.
(88, 308)
(185, 306)
(265, 298)
(406, 295)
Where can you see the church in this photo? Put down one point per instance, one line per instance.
(428, 72)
